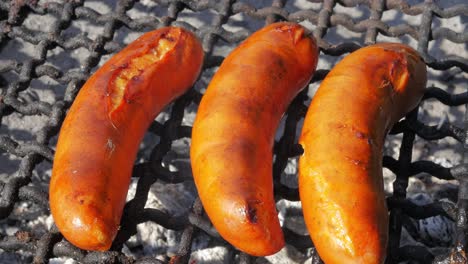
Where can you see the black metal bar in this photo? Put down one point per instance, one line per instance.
(399, 191)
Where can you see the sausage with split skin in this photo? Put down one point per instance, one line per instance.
(233, 133)
(340, 171)
(100, 136)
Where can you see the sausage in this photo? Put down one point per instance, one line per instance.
(340, 171)
(233, 133)
(99, 138)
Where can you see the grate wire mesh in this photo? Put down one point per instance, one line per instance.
(27, 181)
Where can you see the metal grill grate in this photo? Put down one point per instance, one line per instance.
(26, 156)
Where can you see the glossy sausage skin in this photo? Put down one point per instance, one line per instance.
(340, 172)
(234, 130)
(100, 136)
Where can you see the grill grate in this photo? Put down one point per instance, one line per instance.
(27, 158)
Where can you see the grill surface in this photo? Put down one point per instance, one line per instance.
(26, 156)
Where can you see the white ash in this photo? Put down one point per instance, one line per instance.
(289, 176)
(62, 261)
(216, 254)
(438, 231)
(286, 255)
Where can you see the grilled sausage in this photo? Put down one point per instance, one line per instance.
(340, 172)
(233, 133)
(99, 139)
